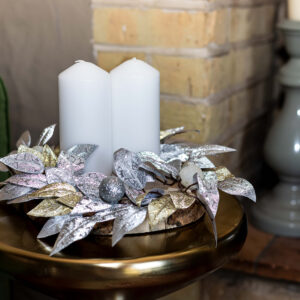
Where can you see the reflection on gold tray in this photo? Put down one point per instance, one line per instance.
(143, 266)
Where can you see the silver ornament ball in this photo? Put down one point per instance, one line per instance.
(111, 189)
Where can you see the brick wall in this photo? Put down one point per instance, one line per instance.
(215, 59)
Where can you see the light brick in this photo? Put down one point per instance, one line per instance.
(251, 22)
(248, 103)
(211, 120)
(161, 28)
(199, 78)
(194, 77)
(109, 60)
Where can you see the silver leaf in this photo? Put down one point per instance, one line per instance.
(203, 162)
(86, 205)
(207, 205)
(46, 135)
(127, 167)
(82, 150)
(24, 162)
(165, 134)
(24, 139)
(239, 187)
(53, 226)
(70, 162)
(199, 151)
(208, 189)
(59, 175)
(173, 152)
(158, 163)
(35, 181)
(154, 172)
(10, 191)
(73, 230)
(3, 167)
(127, 221)
(89, 183)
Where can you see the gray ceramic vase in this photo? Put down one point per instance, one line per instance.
(278, 212)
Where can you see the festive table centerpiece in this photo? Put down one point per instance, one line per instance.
(144, 193)
(114, 179)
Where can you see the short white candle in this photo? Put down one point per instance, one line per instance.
(135, 106)
(85, 112)
(294, 10)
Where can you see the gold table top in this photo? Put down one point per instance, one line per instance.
(139, 267)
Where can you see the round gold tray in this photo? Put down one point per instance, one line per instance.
(144, 266)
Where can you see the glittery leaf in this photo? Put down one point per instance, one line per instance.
(59, 175)
(25, 149)
(165, 134)
(73, 230)
(205, 150)
(208, 190)
(145, 198)
(181, 200)
(46, 135)
(126, 222)
(203, 196)
(35, 181)
(49, 208)
(24, 162)
(127, 167)
(53, 226)
(10, 191)
(89, 183)
(158, 163)
(132, 193)
(49, 157)
(203, 162)
(223, 173)
(160, 209)
(70, 200)
(154, 173)
(49, 191)
(24, 139)
(70, 162)
(86, 205)
(82, 150)
(173, 152)
(239, 187)
(3, 167)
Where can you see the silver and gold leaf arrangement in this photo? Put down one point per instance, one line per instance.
(155, 186)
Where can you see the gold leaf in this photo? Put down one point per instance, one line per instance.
(49, 157)
(140, 198)
(181, 200)
(70, 200)
(160, 209)
(23, 148)
(49, 208)
(56, 189)
(223, 173)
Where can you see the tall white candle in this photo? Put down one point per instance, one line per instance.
(135, 106)
(294, 10)
(85, 112)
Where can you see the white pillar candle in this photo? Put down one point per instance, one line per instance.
(85, 112)
(294, 10)
(135, 106)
